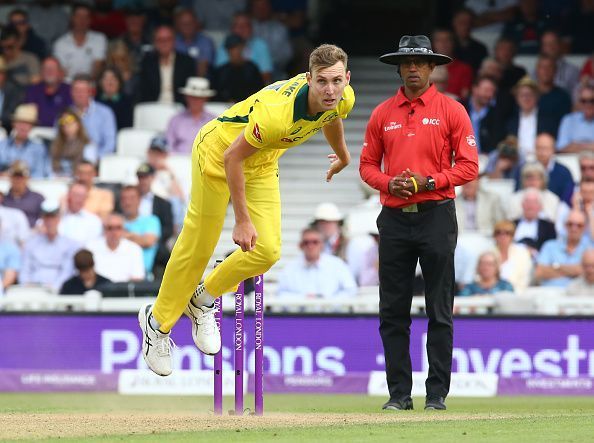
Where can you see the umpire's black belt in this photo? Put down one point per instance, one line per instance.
(422, 207)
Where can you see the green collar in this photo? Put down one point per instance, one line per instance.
(300, 106)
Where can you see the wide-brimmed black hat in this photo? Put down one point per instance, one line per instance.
(417, 46)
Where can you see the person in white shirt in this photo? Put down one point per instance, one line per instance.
(13, 224)
(316, 274)
(116, 258)
(78, 223)
(81, 51)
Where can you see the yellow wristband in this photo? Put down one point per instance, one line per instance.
(415, 184)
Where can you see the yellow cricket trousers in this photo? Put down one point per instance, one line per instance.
(202, 228)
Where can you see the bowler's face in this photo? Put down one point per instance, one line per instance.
(415, 72)
(327, 85)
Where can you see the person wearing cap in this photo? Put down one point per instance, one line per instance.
(235, 157)
(529, 120)
(18, 146)
(153, 204)
(47, 255)
(11, 95)
(239, 77)
(166, 184)
(19, 195)
(183, 127)
(316, 274)
(328, 220)
(419, 145)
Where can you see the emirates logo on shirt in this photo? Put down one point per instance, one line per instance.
(256, 133)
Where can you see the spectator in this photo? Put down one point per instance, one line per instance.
(274, 33)
(583, 201)
(47, 256)
(81, 51)
(14, 226)
(566, 75)
(120, 58)
(22, 67)
(531, 229)
(316, 274)
(515, 258)
(117, 258)
(560, 179)
(190, 40)
(183, 127)
(504, 162)
(460, 74)
(71, 145)
(491, 15)
(489, 281)
(328, 220)
(77, 223)
(151, 204)
(559, 260)
(553, 100)
(217, 15)
(10, 261)
(20, 196)
(477, 209)
(144, 230)
(368, 275)
(18, 146)
(484, 114)
(10, 96)
(439, 77)
(51, 95)
(136, 36)
(106, 20)
(86, 279)
(256, 49)
(529, 120)
(576, 133)
(526, 27)
(238, 78)
(505, 51)
(162, 13)
(49, 19)
(99, 201)
(586, 161)
(166, 183)
(534, 175)
(584, 285)
(579, 28)
(467, 49)
(111, 94)
(587, 71)
(164, 71)
(28, 40)
(98, 119)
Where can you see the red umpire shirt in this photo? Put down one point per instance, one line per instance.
(431, 135)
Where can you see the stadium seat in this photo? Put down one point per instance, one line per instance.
(181, 164)
(216, 108)
(50, 188)
(43, 133)
(4, 184)
(118, 169)
(503, 187)
(154, 115)
(134, 142)
(571, 162)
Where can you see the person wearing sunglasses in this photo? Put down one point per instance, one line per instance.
(576, 133)
(514, 258)
(559, 260)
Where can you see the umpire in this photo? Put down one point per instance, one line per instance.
(425, 142)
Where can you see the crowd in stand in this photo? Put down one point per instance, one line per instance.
(81, 70)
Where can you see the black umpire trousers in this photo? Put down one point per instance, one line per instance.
(430, 237)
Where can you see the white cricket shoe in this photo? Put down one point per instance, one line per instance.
(156, 346)
(205, 331)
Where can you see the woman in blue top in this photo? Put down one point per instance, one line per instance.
(488, 279)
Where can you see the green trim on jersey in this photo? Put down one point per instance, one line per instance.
(300, 106)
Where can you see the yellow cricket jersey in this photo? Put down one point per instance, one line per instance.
(275, 119)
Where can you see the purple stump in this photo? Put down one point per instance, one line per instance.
(238, 340)
(218, 362)
(259, 344)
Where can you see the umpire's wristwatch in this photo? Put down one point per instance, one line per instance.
(430, 185)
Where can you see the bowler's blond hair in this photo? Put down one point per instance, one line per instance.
(325, 56)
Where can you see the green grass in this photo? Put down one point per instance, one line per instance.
(502, 419)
